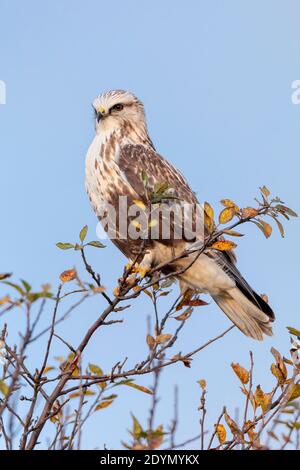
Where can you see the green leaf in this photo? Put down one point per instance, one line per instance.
(96, 244)
(144, 178)
(26, 285)
(78, 247)
(95, 369)
(83, 233)
(137, 428)
(293, 331)
(14, 286)
(64, 246)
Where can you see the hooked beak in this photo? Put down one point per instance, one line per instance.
(99, 116)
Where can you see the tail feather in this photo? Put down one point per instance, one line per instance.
(246, 315)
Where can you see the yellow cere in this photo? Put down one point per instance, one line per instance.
(101, 110)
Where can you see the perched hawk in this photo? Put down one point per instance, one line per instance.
(119, 155)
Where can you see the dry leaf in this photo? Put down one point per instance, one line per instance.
(163, 338)
(266, 228)
(279, 369)
(150, 341)
(231, 424)
(68, 275)
(223, 245)
(262, 399)
(185, 315)
(265, 191)
(294, 392)
(141, 388)
(103, 404)
(48, 369)
(116, 291)
(208, 217)
(233, 233)
(241, 372)
(5, 300)
(249, 212)
(229, 203)
(202, 383)
(221, 433)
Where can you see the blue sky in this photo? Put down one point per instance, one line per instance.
(216, 79)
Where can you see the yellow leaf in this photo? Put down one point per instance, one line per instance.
(229, 203)
(250, 426)
(226, 215)
(241, 372)
(209, 210)
(103, 404)
(139, 203)
(150, 341)
(116, 291)
(143, 270)
(5, 300)
(48, 369)
(137, 428)
(68, 275)
(202, 383)
(293, 331)
(208, 217)
(223, 245)
(163, 338)
(278, 374)
(294, 392)
(221, 433)
(99, 290)
(262, 399)
(138, 387)
(87, 393)
(4, 389)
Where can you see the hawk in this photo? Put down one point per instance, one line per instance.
(119, 160)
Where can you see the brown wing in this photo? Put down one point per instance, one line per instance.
(134, 159)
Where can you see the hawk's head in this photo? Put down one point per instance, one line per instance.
(114, 108)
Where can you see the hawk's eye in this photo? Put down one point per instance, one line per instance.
(117, 107)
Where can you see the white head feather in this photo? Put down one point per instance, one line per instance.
(114, 108)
